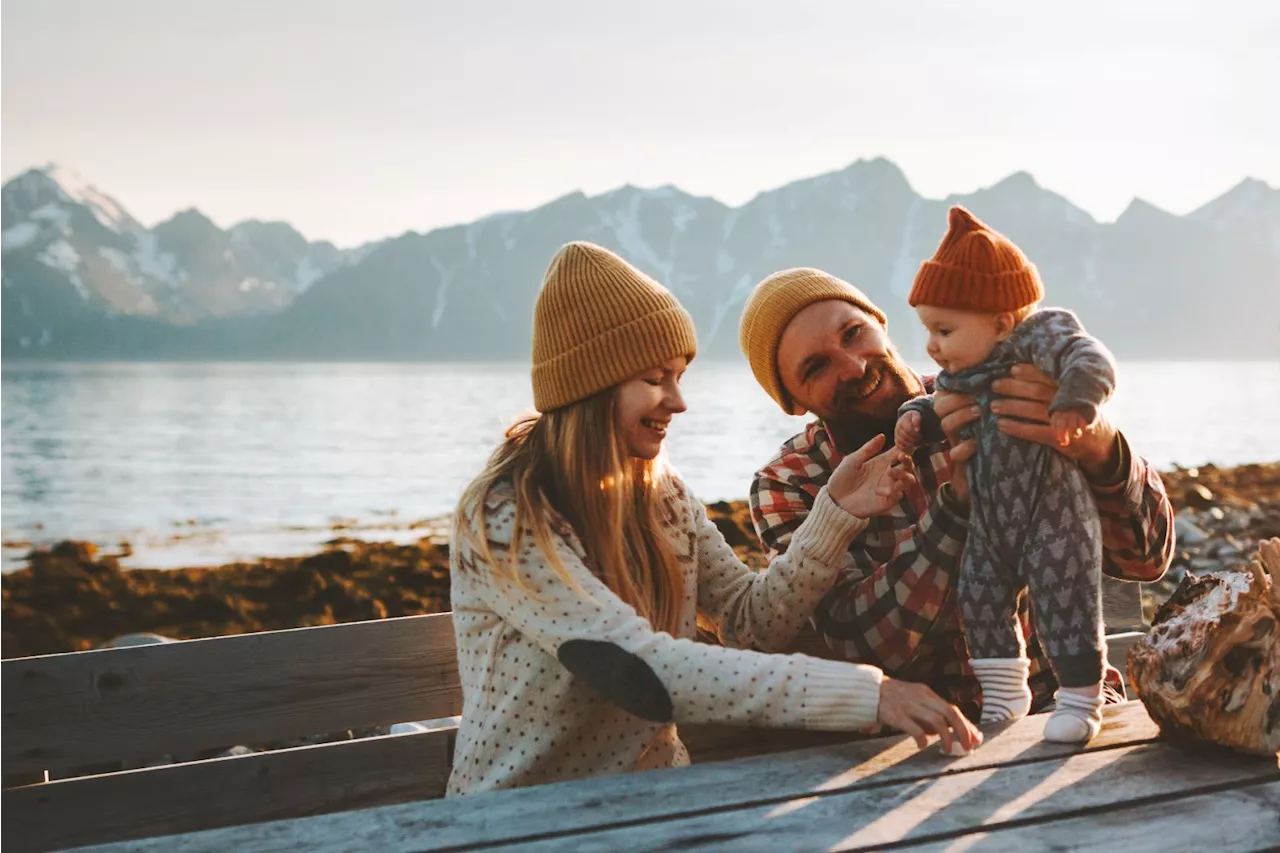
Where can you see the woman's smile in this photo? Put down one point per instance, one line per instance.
(658, 427)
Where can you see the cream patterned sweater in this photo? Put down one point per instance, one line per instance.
(541, 705)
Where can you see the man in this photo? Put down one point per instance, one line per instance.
(817, 344)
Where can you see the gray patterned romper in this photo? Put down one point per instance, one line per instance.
(1033, 524)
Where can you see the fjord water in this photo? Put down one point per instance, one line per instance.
(198, 463)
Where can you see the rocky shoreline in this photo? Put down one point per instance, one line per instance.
(70, 598)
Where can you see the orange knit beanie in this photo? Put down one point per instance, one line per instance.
(977, 269)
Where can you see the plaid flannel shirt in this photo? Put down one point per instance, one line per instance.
(895, 603)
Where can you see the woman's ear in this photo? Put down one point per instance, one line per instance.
(1005, 324)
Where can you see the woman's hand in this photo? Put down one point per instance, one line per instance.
(864, 484)
(919, 712)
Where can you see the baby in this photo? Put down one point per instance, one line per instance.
(1033, 524)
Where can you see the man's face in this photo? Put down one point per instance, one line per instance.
(836, 361)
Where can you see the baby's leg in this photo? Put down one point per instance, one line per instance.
(1063, 566)
(988, 609)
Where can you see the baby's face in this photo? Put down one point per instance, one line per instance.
(960, 339)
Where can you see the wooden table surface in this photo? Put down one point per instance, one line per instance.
(1127, 791)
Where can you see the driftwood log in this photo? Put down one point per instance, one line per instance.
(1209, 670)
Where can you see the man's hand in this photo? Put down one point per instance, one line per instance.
(907, 434)
(956, 411)
(1026, 395)
(919, 712)
(865, 484)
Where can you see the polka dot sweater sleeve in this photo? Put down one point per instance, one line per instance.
(767, 610)
(698, 682)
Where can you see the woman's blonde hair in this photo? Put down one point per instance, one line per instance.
(572, 461)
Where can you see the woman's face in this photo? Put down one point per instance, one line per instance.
(646, 403)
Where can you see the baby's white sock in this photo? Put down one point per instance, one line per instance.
(1005, 695)
(1078, 717)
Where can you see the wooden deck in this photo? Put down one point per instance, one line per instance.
(1127, 791)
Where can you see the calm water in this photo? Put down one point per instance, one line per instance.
(199, 463)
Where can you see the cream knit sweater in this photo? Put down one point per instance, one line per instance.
(527, 720)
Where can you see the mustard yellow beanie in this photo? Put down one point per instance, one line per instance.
(599, 320)
(773, 304)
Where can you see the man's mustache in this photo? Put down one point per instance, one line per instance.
(854, 390)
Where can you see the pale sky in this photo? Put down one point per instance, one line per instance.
(362, 119)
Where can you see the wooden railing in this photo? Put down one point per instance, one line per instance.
(64, 714)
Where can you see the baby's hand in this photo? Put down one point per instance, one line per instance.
(906, 435)
(1068, 425)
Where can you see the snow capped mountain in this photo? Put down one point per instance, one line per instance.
(45, 194)
(70, 249)
(467, 291)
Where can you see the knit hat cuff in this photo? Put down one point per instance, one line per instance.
(613, 356)
(947, 286)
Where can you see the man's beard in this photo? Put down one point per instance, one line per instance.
(855, 421)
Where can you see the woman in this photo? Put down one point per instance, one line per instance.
(581, 565)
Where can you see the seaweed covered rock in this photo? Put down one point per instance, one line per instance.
(1209, 670)
(70, 598)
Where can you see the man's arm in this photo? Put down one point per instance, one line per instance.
(1136, 516)
(883, 605)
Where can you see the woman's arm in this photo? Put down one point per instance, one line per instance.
(767, 610)
(602, 640)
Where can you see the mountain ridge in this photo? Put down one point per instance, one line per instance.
(82, 279)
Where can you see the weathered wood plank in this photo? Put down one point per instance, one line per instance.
(228, 791)
(873, 816)
(636, 798)
(139, 703)
(709, 742)
(1231, 821)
